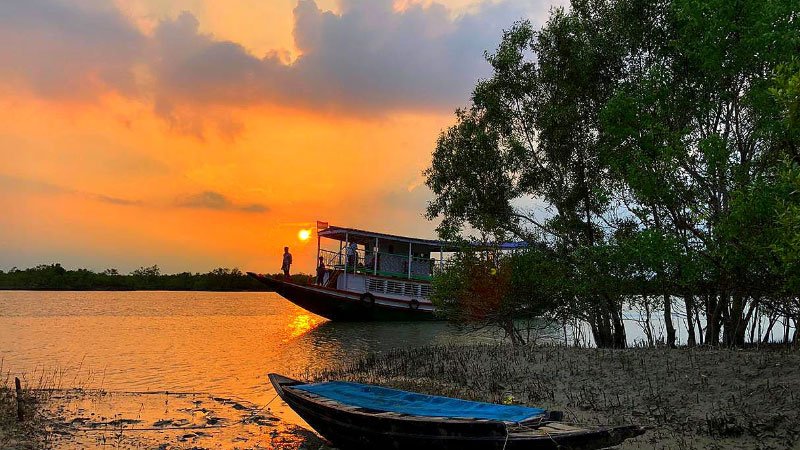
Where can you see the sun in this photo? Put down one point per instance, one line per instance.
(303, 235)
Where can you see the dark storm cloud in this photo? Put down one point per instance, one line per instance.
(368, 58)
(219, 202)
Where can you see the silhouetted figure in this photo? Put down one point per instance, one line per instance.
(287, 262)
(320, 271)
(352, 255)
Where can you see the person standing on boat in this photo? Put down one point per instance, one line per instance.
(352, 254)
(287, 262)
(320, 271)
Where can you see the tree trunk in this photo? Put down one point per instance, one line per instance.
(742, 329)
(737, 321)
(689, 300)
(512, 331)
(668, 321)
(754, 323)
(595, 331)
(607, 340)
(648, 330)
(620, 337)
(711, 306)
(619, 340)
(598, 332)
(772, 320)
(699, 324)
(786, 330)
(604, 335)
(727, 329)
(714, 310)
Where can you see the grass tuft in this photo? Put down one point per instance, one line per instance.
(32, 432)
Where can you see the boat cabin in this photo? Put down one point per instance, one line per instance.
(382, 264)
(371, 276)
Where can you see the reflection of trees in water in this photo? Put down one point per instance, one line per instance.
(331, 342)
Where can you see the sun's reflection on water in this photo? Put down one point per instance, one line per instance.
(302, 323)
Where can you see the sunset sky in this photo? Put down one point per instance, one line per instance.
(196, 134)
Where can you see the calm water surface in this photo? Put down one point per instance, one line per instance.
(223, 343)
(220, 343)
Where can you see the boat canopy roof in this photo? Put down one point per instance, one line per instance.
(367, 238)
(393, 400)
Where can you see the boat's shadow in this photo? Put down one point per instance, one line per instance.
(329, 343)
(381, 336)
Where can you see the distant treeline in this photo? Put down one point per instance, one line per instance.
(55, 277)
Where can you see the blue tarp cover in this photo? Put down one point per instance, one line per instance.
(385, 399)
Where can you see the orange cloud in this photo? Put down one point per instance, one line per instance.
(102, 104)
(370, 57)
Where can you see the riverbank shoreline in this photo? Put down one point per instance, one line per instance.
(83, 418)
(687, 398)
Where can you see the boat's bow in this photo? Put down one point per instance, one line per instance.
(266, 279)
(279, 381)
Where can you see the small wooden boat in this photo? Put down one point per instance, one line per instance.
(358, 416)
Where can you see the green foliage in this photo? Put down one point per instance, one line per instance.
(654, 135)
(508, 291)
(787, 242)
(147, 272)
(787, 93)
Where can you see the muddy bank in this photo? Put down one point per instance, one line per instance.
(689, 398)
(157, 420)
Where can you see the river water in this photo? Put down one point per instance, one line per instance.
(220, 343)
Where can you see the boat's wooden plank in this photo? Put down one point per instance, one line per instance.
(561, 426)
(541, 432)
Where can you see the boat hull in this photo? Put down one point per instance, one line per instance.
(344, 306)
(355, 430)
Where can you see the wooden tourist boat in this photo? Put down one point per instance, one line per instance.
(372, 276)
(358, 416)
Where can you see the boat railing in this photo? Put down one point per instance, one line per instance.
(381, 264)
(332, 259)
(393, 286)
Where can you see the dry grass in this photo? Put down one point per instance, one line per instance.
(76, 417)
(13, 433)
(33, 431)
(689, 398)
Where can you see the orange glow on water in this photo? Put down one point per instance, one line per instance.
(302, 323)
